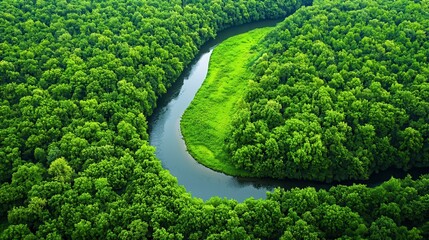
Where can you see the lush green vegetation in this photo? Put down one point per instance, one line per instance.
(205, 123)
(340, 92)
(79, 78)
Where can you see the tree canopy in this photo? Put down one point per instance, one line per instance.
(340, 92)
(79, 79)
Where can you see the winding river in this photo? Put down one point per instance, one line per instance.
(202, 182)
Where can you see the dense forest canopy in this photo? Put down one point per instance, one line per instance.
(341, 91)
(78, 80)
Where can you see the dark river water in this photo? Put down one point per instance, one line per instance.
(203, 182)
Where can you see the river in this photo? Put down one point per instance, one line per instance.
(202, 182)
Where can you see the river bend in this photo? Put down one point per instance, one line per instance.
(200, 181)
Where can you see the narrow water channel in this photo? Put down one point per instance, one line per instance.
(200, 181)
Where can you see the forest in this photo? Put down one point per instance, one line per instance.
(79, 78)
(340, 93)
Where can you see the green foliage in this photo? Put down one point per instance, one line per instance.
(339, 93)
(79, 79)
(60, 170)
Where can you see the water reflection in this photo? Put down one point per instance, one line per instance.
(165, 135)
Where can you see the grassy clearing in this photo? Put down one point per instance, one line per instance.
(205, 123)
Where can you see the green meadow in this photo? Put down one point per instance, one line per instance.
(205, 123)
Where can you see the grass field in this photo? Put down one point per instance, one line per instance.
(205, 123)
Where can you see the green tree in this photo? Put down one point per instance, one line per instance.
(60, 170)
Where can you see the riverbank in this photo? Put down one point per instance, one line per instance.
(205, 123)
(203, 182)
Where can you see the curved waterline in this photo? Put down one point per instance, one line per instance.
(199, 180)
